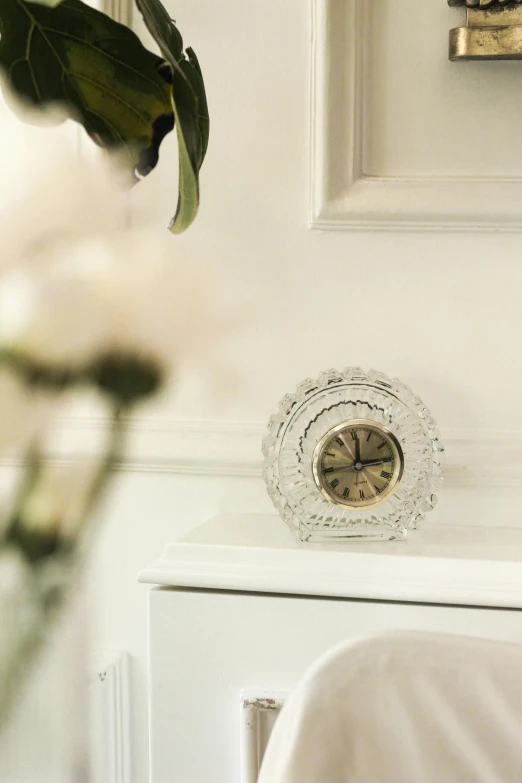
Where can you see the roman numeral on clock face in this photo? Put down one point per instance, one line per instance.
(351, 447)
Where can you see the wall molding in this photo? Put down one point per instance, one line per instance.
(259, 708)
(168, 446)
(342, 197)
(233, 448)
(110, 710)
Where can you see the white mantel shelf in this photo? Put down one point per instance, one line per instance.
(472, 566)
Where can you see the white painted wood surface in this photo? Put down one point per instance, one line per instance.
(436, 564)
(250, 608)
(206, 647)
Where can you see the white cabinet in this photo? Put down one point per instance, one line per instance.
(245, 606)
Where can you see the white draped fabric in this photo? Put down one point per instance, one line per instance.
(403, 707)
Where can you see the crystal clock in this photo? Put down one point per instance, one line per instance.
(352, 455)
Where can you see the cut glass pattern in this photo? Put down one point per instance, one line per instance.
(319, 405)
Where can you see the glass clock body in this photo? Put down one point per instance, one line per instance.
(352, 455)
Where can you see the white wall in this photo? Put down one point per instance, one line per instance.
(146, 512)
(439, 310)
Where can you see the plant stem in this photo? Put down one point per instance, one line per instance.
(50, 579)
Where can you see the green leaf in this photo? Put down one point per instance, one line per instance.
(190, 108)
(49, 3)
(79, 56)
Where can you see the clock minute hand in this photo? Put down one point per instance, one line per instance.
(368, 464)
(372, 462)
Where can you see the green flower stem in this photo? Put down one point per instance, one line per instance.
(61, 559)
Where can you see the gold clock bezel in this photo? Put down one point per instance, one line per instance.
(397, 472)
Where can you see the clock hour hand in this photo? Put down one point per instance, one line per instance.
(357, 450)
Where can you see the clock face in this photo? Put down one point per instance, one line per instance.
(358, 464)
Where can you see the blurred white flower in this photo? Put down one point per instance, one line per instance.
(124, 292)
(48, 191)
(25, 413)
(87, 303)
(77, 281)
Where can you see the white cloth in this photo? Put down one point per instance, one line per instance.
(403, 707)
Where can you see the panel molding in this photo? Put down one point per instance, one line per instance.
(110, 711)
(342, 197)
(259, 708)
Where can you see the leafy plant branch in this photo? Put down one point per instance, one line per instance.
(126, 97)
